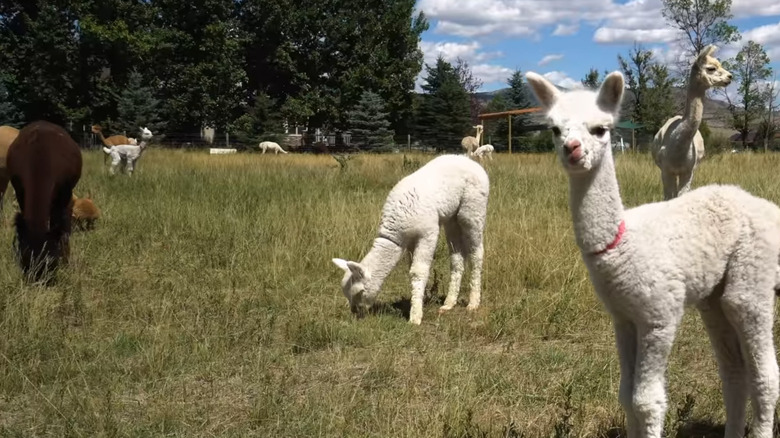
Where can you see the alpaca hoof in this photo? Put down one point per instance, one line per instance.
(472, 307)
(444, 309)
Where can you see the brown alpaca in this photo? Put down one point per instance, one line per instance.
(85, 213)
(44, 164)
(7, 136)
(114, 140)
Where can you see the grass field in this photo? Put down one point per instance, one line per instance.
(205, 304)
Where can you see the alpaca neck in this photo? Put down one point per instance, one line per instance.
(596, 207)
(103, 139)
(694, 110)
(379, 262)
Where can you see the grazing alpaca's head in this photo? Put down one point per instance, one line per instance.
(353, 285)
(581, 120)
(707, 72)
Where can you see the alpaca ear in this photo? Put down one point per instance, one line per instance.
(341, 263)
(611, 93)
(544, 90)
(357, 270)
(705, 52)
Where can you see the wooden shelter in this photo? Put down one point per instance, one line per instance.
(508, 115)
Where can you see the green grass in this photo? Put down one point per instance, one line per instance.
(205, 304)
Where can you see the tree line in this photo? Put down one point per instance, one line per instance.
(252, 66)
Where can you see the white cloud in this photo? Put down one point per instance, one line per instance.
(768, 36)
(618, 22)
(609, 35)
(550, 58)
(566, 29)
(562, 79)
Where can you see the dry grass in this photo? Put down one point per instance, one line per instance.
(205, 304)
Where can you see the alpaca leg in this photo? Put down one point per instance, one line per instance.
(626, 340)
(115, 159)
(669, 181)
(731, 366)
(684, 184)
(420, 270)
(649, 397)
(130, 167)
(457, 265)
(750, 310)
(472, 227)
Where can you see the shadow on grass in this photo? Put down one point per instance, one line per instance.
(399, 308)
(691, 429)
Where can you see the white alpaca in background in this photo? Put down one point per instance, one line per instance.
(716, 248)
(678, 146)
(470, 144)
(450, 190)
(486, 150)
(128, 154)
(271, 146)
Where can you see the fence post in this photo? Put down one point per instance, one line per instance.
(509, 119)
(409, 142)
(227, 139)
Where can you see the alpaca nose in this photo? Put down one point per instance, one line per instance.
(729, 75)
(571, 146)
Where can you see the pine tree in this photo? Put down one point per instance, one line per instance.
(261, 122)
(137, 107)
(369, 124)
(517, 97)
(444, 116)
(9, 114)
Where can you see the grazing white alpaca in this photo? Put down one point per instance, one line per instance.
(470, 144)
(450, 190)
(486, 150)
(716, 248)
(678, 146)
(274, 147)
(128, 153)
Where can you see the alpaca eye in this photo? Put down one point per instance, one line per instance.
(711, 69)
(598, 131)
(556, 131)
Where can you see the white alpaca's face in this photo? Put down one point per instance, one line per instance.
(146, 134)
(353, 287)
(580, 120)
(711, 72)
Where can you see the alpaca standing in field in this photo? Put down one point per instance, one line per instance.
(128, 154)
(85, 213)
(486, 150)
(274, 147)
(450, 190)
(470, 144)
(44, 164)
(678, 146)
(716, 248)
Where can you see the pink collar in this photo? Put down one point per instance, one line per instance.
(618, 238)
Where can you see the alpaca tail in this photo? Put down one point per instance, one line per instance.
(106, 150)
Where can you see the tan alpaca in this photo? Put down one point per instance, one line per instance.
(7, 136)
(85, 213)
(678, 146)
(470, 144)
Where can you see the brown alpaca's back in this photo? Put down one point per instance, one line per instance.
(44, 164)
(85, 213)
(114, 140)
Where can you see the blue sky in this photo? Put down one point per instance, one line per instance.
(563, 39)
